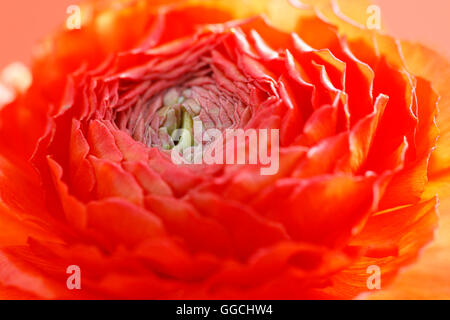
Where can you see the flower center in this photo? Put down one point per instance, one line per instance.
(156, 121)
(177, 113)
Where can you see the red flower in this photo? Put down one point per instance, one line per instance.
(356, 134)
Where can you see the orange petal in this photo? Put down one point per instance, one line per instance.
(428, 278)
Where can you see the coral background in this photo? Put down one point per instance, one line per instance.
(24, 22)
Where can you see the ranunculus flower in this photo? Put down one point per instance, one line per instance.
(86, 177)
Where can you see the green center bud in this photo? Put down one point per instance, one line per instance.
(176, 126)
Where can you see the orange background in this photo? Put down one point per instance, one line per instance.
(24, 22)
